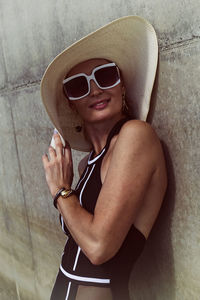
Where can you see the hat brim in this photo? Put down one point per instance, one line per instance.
(131, 43)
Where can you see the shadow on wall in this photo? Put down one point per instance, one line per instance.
(154, 94)
(153, 274)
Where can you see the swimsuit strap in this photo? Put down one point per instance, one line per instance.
(115, 130)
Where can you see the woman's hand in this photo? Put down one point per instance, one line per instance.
(59, 166)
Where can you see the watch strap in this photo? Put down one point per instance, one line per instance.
(63, 192)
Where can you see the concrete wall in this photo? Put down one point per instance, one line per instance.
(32, 33)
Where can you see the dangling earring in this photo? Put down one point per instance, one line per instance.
(124, 104)
(78, 128)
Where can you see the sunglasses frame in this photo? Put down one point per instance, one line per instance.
(92, 77)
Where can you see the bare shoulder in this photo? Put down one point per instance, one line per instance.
(138, 128)
(139, 135)
(82, 164)
(138, 143)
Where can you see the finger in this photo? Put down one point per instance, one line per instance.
(67, 144)
(68, 153)
(58, 144)
(52, 153)
(45, 159)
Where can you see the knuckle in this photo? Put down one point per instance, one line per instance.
(62, 159)
(57, 139)
(54, 164)
(48, 166)
(58, 144)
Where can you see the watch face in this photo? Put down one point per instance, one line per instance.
(66, 193)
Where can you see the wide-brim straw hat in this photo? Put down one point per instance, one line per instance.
(131, 43)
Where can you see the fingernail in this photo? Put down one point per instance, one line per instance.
(55, 130)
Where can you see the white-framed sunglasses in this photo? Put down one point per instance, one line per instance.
(78, 86)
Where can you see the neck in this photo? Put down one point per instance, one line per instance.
(97, 132)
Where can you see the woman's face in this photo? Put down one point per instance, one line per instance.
(111, 98)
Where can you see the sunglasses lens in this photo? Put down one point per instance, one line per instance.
(76, 87)
(106, 77)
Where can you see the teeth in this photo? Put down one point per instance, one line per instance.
(100, 103)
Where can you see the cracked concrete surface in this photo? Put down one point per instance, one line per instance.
(31, 242)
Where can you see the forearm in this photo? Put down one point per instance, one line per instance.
(81, 225)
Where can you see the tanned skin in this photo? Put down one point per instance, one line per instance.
(133, 175)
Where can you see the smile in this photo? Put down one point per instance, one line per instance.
(100, 104)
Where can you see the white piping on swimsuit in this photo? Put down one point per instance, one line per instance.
(76, 259)
(84, 279)
(80, 196)
(94, 159)
(81, 179)
(68, 290)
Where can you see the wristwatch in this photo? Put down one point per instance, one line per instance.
(63, 192)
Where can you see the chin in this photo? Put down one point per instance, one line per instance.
(103, 116)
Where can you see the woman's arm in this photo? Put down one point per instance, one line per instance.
(134, 160)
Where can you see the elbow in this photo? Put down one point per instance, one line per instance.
(100, 255)
(97, 260)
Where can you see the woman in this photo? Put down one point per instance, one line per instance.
(110, 214)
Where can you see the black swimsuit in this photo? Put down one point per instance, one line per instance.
(75, 266)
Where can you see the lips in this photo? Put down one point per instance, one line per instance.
(99, 102)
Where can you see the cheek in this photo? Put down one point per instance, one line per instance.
(117, 94)
(117, 90)
(80, 107)
(71, 105)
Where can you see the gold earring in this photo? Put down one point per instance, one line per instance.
(124, 104)
(78, 128)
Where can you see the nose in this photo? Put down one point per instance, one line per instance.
(94, 89)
